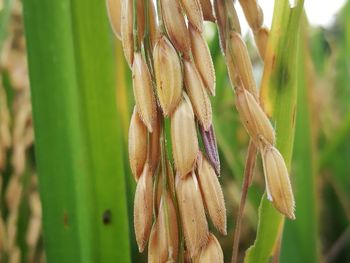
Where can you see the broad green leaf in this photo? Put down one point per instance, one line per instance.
(77, 140)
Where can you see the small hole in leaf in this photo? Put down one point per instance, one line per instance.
(106, 217)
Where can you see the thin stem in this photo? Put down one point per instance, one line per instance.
(248, 174)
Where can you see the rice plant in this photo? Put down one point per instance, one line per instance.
(172, 131)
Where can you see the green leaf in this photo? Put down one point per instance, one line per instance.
(77, 140)
(278, 94)
(268, 226)
(300, 238)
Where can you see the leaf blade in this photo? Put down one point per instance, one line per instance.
(76, 127)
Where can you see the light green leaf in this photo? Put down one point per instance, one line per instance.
(300, 238)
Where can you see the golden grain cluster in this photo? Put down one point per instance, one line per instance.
(173, 77)
(252, 114)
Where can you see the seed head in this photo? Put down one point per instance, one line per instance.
(261, 37)
(253, 13)
(168, 239)
(197, 94)
(211, 147)
(254, 118)
(221, 20)
(140, 10)
(184, 137)
(159, 187)
(193, 12)
(207, 10)
(114, 15)
(232, 71)
(143, 208)
(194, 223)
(137, 144)
(171, 179)
(231, 11)
(164, 239)
(153, 26)
(127, 30)
(176, 26)
(153, 245)
(278, 186)
(155, 144)
(168, 75)
(240, 57)
(212, 252)
(221, 9)
(158, 190)
(212, 194)
(187, 257)
(143, 92)
(202, 59)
